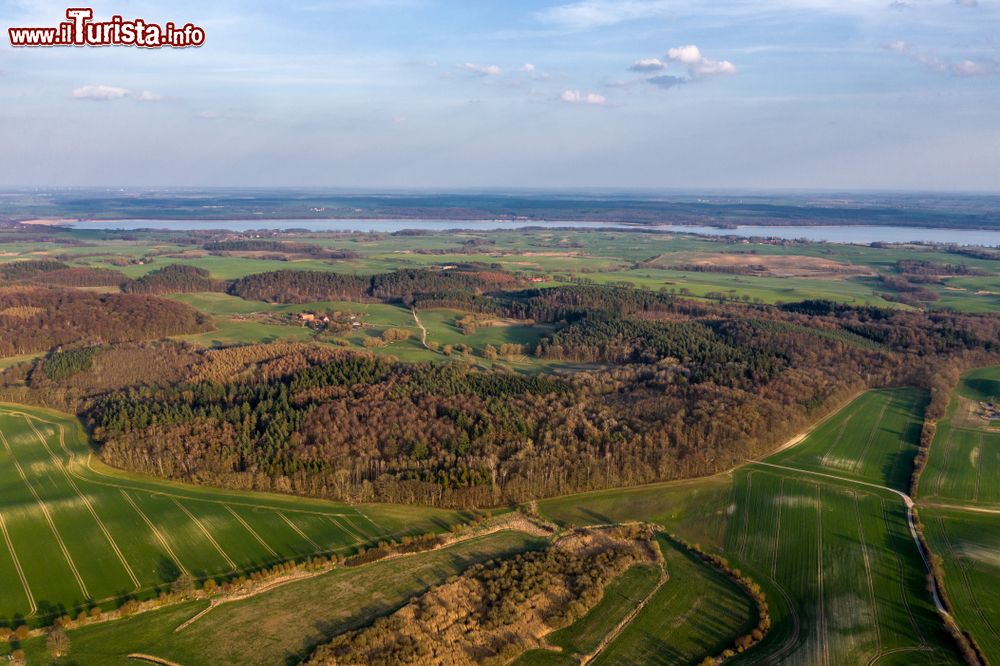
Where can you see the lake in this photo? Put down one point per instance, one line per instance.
(834, 234)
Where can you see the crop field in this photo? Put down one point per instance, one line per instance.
(842, 558)
(960, 507)
(964, 462)
(829, 545)
(283, 624)
(605, 256)
(77, 534)
(697, 612)
(584, 636)
(969, 545)
(875, 439)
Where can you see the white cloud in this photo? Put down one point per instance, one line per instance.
(962, 69)
(688, 55)
(698, 65)
(100, 93)
(104, 93)
(577, 97)
(208, 115)
(588, 14)
(527, 68)
(580, 15)
(648, 65)
(147, 96)
(483, 70)
(973, 68)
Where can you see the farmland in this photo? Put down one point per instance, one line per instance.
(829, 545)
(283, 624)
(960, 507)
(605, 359)
(109, 536)
(965, 458)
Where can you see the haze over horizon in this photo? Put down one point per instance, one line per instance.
(667, 95)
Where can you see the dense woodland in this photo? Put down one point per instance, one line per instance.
(399, 286)
(675, 387)
(34, 319)
(174, 279)
(678, 388)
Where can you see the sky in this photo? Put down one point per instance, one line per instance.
(567, 94)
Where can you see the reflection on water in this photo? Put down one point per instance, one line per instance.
(835, 234)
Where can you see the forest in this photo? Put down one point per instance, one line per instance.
(36, 318)
(294, 286)
(675, 388)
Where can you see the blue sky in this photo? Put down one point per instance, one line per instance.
(678, 94)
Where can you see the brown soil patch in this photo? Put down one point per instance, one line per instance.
(969, 414)
(768, 265)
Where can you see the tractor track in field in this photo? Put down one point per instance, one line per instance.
(746, 518)
(904, 595)
(156, 532)
(872, 436)
(970, 588)
(907, 500)
(114, 483)
(299, 531)
(821, 605)
(868, 578)
(777, 530)
(86, 502)
(208, 535)
(17, 566)
(48, 518)
(252, 531)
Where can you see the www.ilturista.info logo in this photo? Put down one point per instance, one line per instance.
(82, 30)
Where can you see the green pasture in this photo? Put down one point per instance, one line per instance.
(108, 536)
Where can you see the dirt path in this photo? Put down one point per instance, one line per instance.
(959, 507)
(625, 621)
(150, 659)
(420, 325)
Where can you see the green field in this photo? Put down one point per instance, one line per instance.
(828, 543)
(698, 612)
(964, 462)
(284, 624)
(875, 441)
(107, 536)
(969, 545)
(601, 256)
(582, 637)
(960, 507)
